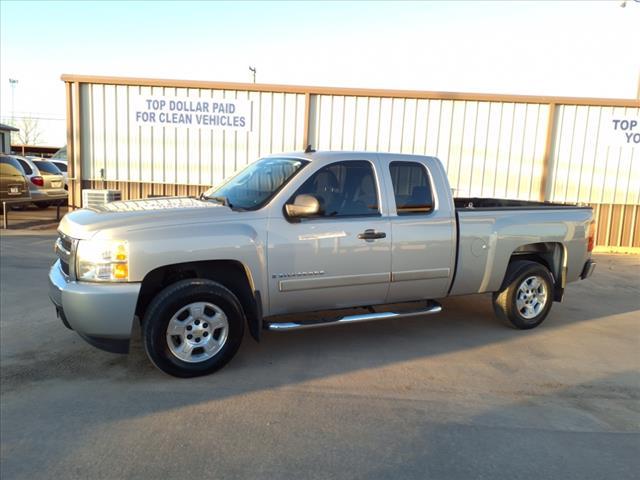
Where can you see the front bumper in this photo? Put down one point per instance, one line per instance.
(587, 270)
(102, 314)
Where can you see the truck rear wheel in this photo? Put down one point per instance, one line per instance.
(526, 297)
(193, 327)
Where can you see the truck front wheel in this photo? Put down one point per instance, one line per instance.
(193, 327)
(526, 296)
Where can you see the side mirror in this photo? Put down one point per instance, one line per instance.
(303, 206)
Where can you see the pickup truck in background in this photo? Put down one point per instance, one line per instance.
(297, 233)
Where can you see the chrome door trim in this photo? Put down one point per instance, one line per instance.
(420, 274)
(295, 284)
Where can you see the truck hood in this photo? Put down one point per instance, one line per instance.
(141, 214)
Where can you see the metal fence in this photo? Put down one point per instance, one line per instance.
(524, 147)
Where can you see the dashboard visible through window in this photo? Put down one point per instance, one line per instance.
(253, 187)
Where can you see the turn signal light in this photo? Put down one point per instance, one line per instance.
(120, 271)
(38, 180)
(591, 239)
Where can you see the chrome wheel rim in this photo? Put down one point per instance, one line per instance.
(531, 297)
(197, 332)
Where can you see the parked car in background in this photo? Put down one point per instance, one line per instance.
(62, 166)
(13, 183)
(46, 182)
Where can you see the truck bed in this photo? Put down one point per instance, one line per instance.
(491, 230)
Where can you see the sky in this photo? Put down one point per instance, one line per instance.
(576, 48)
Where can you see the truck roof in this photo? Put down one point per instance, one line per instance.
(344, 154)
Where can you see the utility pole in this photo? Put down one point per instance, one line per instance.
(253, 71)
(13, 82)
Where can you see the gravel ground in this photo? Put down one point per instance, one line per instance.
(456, 395)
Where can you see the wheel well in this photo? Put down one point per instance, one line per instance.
(552, 256)
(229, 273)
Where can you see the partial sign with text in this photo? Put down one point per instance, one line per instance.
(622, 131)
(192, 112)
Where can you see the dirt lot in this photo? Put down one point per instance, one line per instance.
(455, 395)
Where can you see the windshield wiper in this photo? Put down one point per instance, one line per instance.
(219, 198)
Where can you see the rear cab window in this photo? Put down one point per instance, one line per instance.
(411, 188)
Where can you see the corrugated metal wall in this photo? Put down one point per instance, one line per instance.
(492, 145)
(488, 148)
(114, 149)
(585, 167)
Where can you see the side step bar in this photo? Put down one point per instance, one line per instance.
(433, 307)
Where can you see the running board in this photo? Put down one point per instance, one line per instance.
(433, 307)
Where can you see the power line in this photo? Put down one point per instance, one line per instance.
(29, 117)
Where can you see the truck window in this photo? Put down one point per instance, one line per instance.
(253, 187)
(411, 188)
(343, 189)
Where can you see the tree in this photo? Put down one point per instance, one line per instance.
(30, 132)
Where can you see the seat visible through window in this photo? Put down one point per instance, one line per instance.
(411, 188)
(343, 189)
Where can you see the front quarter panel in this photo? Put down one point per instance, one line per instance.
(152, 248)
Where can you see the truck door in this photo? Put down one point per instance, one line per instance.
(423, 234)
(338, 258)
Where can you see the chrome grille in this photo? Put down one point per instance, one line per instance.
(65, 251)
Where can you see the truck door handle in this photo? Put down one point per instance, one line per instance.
(371, 234)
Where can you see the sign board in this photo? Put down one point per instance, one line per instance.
(622, 131)
(191, 112)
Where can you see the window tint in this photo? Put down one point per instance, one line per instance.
(411, 188)
(343, 189)
(46, 167)
(25, 166)
(61, 166)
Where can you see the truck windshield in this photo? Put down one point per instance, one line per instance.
(254, 186)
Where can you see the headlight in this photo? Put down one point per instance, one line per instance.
(103, 261)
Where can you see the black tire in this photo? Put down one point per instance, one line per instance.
(42, 205)
(167, 303)
(505, 302)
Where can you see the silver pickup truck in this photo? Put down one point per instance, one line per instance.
(291, 235)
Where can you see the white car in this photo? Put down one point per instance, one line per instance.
(62, 166)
